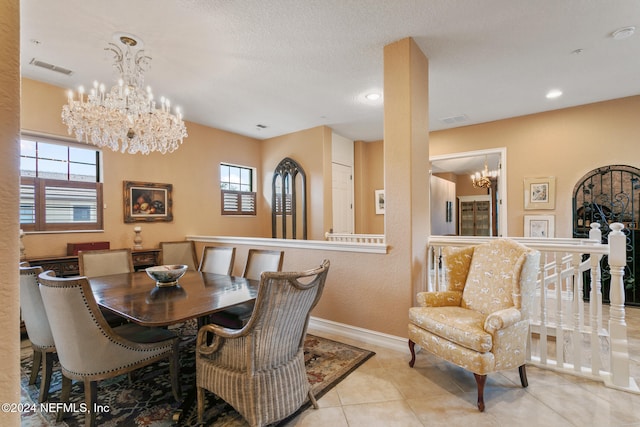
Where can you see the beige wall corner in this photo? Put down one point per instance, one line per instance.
(9, 247)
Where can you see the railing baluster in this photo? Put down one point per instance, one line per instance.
(559, 321)
(595, 302)
(578, 311)
(543, 309)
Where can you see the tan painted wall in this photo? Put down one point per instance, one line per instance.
(192, 170)
(565, 143)
(311, 148)
(9, 167)
(369, 177)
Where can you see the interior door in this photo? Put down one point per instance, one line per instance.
(342, 198)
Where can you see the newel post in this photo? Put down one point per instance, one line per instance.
(617, 325)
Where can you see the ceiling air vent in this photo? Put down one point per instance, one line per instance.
(51, 67)
(454, 119)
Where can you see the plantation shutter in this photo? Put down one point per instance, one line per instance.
(238, 202)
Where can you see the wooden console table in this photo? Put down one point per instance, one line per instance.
(66, 266)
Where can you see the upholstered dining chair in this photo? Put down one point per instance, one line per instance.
(38, 329)
(258, 261)
(259, 369)
(217, 259)
(181, 252)
(89, 350)
(481, 322)
(104, 262)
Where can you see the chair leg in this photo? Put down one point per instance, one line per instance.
(523, 375)
(35, 368)
(313, 400)
(200, 397)
(45, 378)
(90, 398)
(412, 349)
(65, 393)
(480, 381)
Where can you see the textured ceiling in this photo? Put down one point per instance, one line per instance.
(295, 64)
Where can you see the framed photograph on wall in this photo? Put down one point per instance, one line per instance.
(379, 199)
(146, 201)
(541, 226)
(540, 193)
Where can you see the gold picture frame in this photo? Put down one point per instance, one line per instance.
(147, 202)
(540, 193)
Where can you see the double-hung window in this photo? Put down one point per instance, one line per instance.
(60, 188)
(237, 185)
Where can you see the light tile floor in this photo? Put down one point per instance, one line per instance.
(385, 391)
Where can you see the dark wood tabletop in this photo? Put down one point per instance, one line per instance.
(136, 297)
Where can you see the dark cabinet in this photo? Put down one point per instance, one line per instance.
(66, 266)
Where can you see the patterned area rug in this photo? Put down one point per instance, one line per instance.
(147, 401)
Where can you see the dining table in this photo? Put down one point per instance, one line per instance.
(137, 298)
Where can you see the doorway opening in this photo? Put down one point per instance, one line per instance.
(458, 168)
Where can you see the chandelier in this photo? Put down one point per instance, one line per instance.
(483, 179)
(125, 118)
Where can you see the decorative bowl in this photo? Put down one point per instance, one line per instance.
(166, 275)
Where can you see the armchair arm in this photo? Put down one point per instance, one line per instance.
(439, 299)
(502, 319)
(220, 333)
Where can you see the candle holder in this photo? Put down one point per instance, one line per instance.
(137, 239)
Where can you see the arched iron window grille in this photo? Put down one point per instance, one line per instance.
(605, 195)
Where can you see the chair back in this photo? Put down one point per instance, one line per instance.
(33, 312)
(182, 252)
(217, 259)
(281, 314)
(82, 335)
(495, 278)
(105, 262)
(261, 260)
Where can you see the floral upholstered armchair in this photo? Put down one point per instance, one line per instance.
(481, 322)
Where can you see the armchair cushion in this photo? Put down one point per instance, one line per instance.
(459, 325)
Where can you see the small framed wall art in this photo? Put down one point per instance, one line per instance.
(540, 193)
(539, 226)
(379, 199)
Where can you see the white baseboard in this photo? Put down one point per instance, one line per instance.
(365, 335)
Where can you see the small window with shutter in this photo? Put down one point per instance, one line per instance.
(237, 190)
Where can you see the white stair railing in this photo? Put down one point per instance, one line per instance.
(355, 238)
(562, 337)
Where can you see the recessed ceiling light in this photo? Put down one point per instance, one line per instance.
(623, 33)
(554, 93)
(374, 96)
